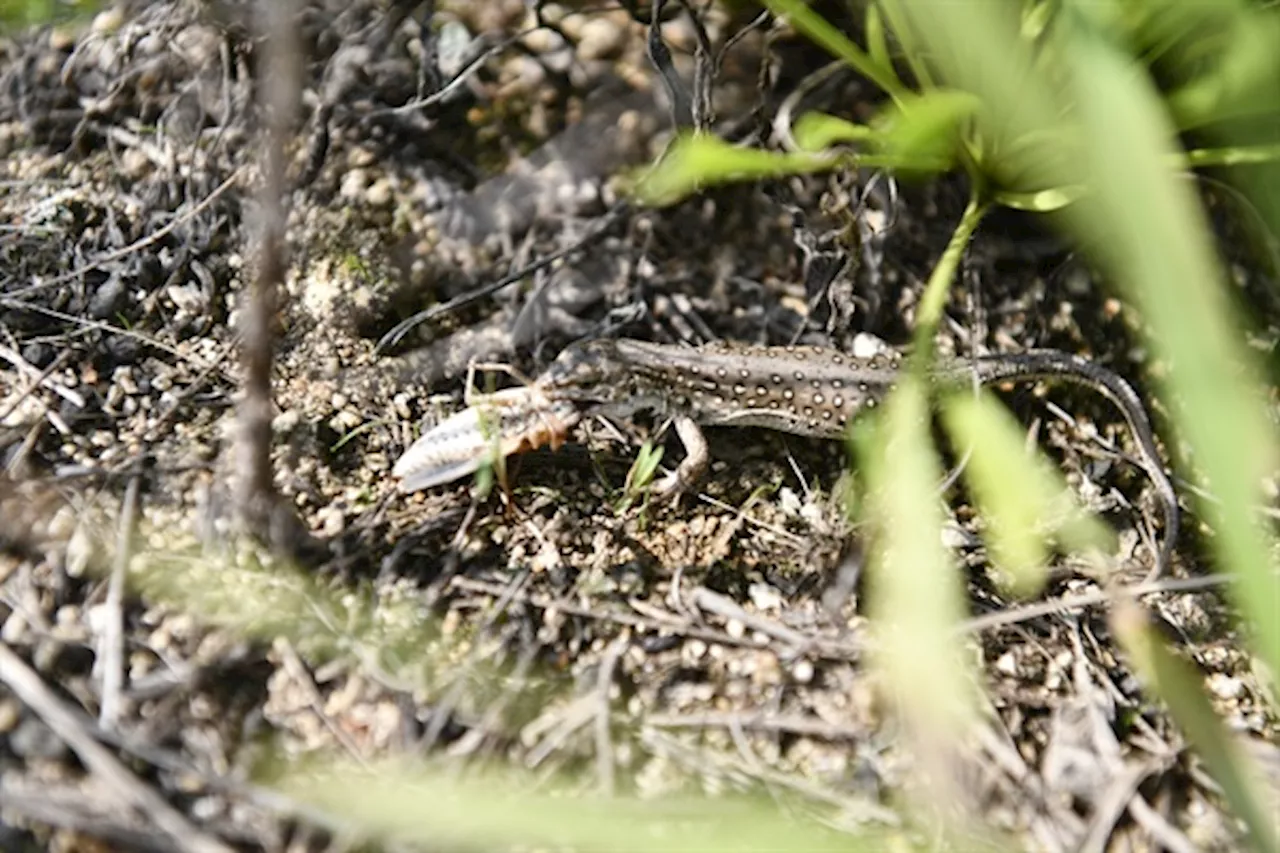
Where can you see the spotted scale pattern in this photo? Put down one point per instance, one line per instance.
(801, 390)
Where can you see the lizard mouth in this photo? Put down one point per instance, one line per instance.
(582, 371)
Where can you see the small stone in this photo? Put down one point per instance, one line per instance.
(764, 596)
(80, 552)
(867, 346)
(601, 39)
(359, 158)
(1007, 664)
(285, 421)
(115, 394)
(332, 521)
(10, 714)
(953, 535)
(108, 299)
(38, 355)
(187, 297)
(802, 671)
(123, 376)
(1224, 686)
(33, 739)
(134, 163)
(353, 185)
(543, 40)
(62, 38)
(14, 629)
(380, 193)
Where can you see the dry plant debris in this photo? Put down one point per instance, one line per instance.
(450, 201)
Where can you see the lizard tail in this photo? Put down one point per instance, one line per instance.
(1060, 366)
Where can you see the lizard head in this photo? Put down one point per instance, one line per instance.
(588, 371)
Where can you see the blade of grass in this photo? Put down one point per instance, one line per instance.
(929, 314)
(697, 160)
(1024, 496)
(1143, 223)
(1143, 226)
(818, 29)
(1176, 683)
(408, 803)
(916, 597)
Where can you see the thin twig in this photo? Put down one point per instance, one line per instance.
(281, 86)
(397, 332)
(117, 781)
(40, 377)
(1013, 616)
(111, 650)
(99, 325)
(727, 608)
(651, 619)
(788, 724)
(605, 771)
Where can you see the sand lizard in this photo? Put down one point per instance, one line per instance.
(802, 390)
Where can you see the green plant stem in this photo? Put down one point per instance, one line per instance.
(929, 314)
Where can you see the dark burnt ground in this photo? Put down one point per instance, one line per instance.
(728, 628)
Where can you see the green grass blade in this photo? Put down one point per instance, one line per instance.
(697, 160)
(818, 29)
(1180, 687)
(815, 132)
(1145, 225)
(926, 129)
(916, 596)
(1024, 497)
(405, 803)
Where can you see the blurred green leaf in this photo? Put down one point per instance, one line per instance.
(1037, 18)
(1245, 78)
(1024, 496)
(820, 31)
(1100, 124)
(1144, 224)
(916, 596)
(1040, 201)
(234, 589)
(1240, 155)
(1179, 686)
(934, 300)
(815, 132)
(925, 129)
(911, 50)
(404, 803)
(695, 161)
(877, 39)
(27, 13)
(641, 474)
